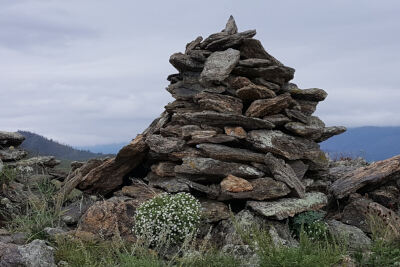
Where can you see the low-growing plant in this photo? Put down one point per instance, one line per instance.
(39, 213)
(169, 217)
(311, 222)
(7, 175)
(308, 253)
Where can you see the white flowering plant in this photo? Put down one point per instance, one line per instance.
(311, 222)
(170, 217)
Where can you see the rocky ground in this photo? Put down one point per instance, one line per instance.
(239, 137)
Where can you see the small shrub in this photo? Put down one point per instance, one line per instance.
(311, 223)
(168, 217)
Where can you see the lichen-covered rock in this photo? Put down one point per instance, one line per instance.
(215, 168)
(288, 207)
(354, 237)
(290, 147)
(219, 65)
(284, 173)
(10, 139)
(226, 153)
(221, 120)
(368, 177)
(313, 94)
(362, 212)
(12, 154)
(34, 254)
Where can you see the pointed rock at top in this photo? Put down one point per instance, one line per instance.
(231, 27)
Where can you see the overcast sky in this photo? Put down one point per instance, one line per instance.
(88, 72)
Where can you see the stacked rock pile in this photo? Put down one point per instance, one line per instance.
(238, 131)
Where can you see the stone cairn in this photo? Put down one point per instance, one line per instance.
(238, 133)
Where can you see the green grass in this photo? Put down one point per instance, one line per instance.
(7, 175)
(40, 212)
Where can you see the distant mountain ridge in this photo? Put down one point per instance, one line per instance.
(107, 148)
(369, 142)
(39, 145)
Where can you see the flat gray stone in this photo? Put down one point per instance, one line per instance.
(289, 207)
(219, 65)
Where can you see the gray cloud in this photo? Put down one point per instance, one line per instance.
(92, 72)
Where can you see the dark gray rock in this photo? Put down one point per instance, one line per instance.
(252, 48)
(193, 44)
(355, 238)
(187, 89)
(169, 184)
(290, 147)
(231, 27)
(12, 154)
(219, 119)
(226, 153)
(307, 107)
(277, 119)
(223, 40)
(164, 145)
(276, 74)
(313, 94)
(10, 139)
(183, 62)
(215, 168)
(371, 176)
(328, 132)
(255, 63)
(282, 171)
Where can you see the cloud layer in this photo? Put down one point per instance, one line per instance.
(94, 72)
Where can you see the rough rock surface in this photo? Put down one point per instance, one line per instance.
(215, 168)
(367, 177)
(288, 207)
(10, 139)
(361, 211)
(235, 184)
(113, 217)
(356, 239)
(34, 254)
(219, 65)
